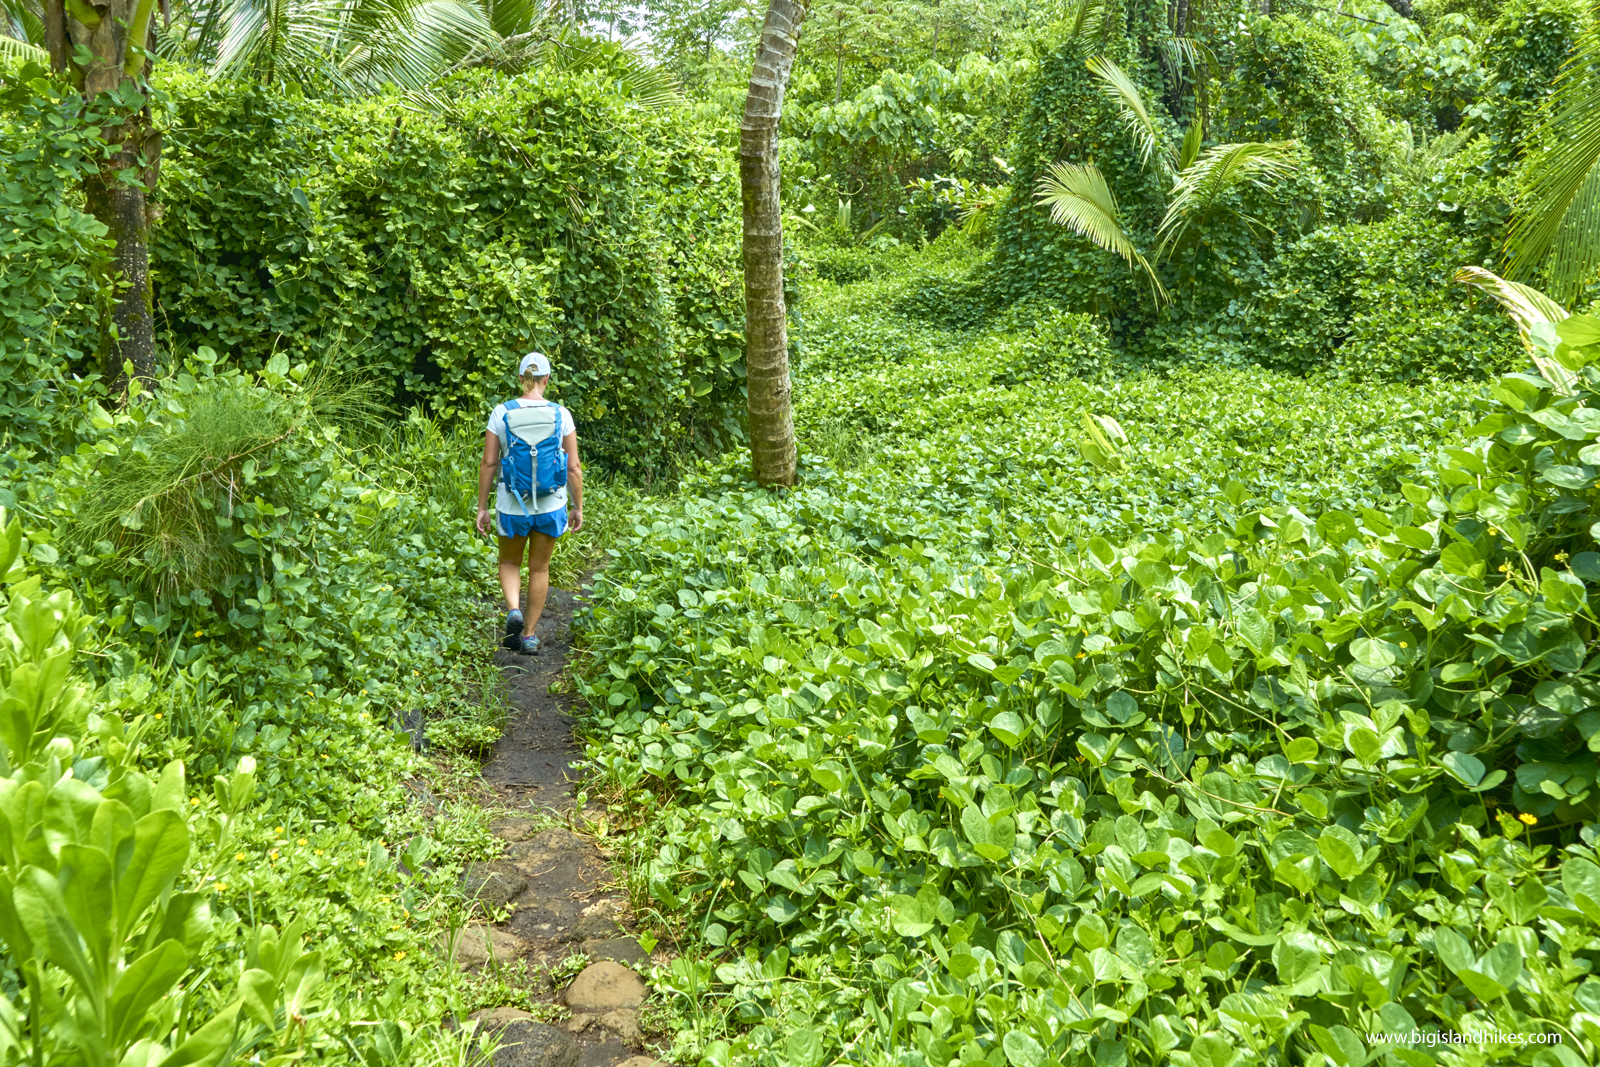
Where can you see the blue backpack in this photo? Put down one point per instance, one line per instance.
(533, 463)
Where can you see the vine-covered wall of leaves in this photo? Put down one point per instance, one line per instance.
(428, 246)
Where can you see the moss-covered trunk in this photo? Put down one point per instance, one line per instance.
(101, 45)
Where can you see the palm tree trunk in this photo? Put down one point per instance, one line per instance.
(55, 34)
(103, 44)
(766, 329)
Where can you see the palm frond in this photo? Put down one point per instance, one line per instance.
(410, 43)
(277, 40)
(21, 20)
(1079, 198)
(564, 47)
(1219, 171)
(1192, 143)
(1557, 223)
(11, 48)
(1121, 91)
(1179, 52)
(1528, 307)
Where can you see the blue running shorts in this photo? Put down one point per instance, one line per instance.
(551, 524)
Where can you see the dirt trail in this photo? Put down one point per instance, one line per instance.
(562, 905)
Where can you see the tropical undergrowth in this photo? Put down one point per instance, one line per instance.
(246, 588)
(1241, 727)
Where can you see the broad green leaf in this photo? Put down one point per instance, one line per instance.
(206, 1045)
(1009, 728)
(258, 993)
(1453, 950)
(1211, 1050)
(160, 849)
(911, 917)
(1301, 750)
(1022, 1050)
(805, 1048)
(149, 979)
(991, 838)
(1466, 769)
(1340, 1044)
(1580, 880)
(1090, 933)
(1342, 851)
(1296, 957)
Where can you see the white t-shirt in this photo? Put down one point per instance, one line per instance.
(503, 499)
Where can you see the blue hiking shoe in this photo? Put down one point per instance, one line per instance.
(513, 639)
(530, 645)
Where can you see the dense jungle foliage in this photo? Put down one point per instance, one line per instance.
(1180, 647)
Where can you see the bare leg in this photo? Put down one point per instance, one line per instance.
(511, 571)
(539, 553)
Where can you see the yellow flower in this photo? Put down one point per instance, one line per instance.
(219, 887)
(158, 715)
(260, 648)
(1529, 819)
(273, 853)
(324, 755)
(1404, 645)
(399, 955)
(1505, 568)
(279, 830)
(319, 852)
(361, 863)
(239, 856)
(1561, 557)
(199, 633)
(301, 841)
(194, 800)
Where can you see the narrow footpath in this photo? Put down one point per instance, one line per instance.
(562, 906)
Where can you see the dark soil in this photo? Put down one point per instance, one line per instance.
(566, 897)
(531, 766)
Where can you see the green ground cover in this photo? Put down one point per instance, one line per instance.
(1240, 741)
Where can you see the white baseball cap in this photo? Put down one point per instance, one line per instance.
(534, 363)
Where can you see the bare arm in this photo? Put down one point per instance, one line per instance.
(486, 475)
(569, 444)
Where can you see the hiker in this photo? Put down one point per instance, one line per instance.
(530, 448)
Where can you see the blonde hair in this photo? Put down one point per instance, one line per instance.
(529, 380)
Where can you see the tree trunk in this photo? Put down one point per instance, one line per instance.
(766, 329)
(55, 34)
(120, 205)
(104, 53)
(936, 14)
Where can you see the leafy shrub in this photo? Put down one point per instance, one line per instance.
(1523, 51)
(428, 250)
(1427, 78)
(221, 526)
(1375, 301)
(1290, 79)
(111, 952)
(53, 256)
(967, 758)
(1068, 119)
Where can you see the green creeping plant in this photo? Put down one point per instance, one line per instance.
(92, 850)
(1280, 739)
